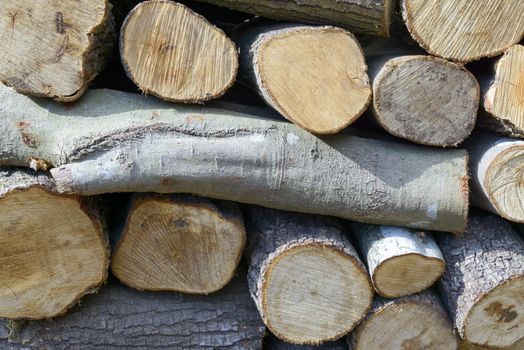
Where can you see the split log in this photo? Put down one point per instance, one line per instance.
(414, 322)
(483, 282)
(400, 261)
(122, 318)
(273, 343)
(120, 142)
(464, 30)
(179, 243)
(498, 175)
(305, 276)
(359, 16)
(54, 49)
(315, 77)
(54, 249)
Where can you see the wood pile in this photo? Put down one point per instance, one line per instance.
(262, 174)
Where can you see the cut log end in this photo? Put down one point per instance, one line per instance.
(173, 53)
(315, 76)
(53, 252)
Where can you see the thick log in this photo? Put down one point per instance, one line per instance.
(414, 322)
(315, 77)
(120, 142)
(273, 343)
(468, 346)
(179, 243)
(54, 49)
(400, 261)
(464, 30)
(54, 249)
(180, 57)
(483, 282)
(305, 276)
(122, 318)
(497, 175)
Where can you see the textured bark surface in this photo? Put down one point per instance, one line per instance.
(273, 343)
(400, 261)
(54, 49)
(483, 282)
(122, 318)
(303, 265)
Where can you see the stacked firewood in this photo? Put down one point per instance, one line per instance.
(185, 176)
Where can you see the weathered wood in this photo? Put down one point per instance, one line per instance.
(54, 249)
(180, 243)
(305, 276)
(315, 77)
(415, 322)
(497, 165)
(120, 142)
(174, 53)
(483, 282)
(122, 318)
(54, 48)
(273, 343)
(400, 261)
(463, 345)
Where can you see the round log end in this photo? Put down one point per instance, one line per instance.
(53, 252)
(314, 76)
(175, 54)
(426, 100)
(313, 293)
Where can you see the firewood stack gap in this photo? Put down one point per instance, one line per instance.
(262, 174)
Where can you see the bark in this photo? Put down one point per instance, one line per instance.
(54, 248)
(302, 265)
(54, 50)
(179, 243)
(273, 343)
(183, 58)
(497, 176)
(119, 142)
(288, 65)
(483, 281)
(400, 261)
(122, 318)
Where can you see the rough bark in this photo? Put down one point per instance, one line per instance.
(497, 168)
(314, 76)
(414, 322)
(464, 30)
(483, 282)
(181, 57)
(273, 343)
(54, 49)
(122, 318)
(54, 248)
(119, 142)
(302, 265)
(400, 261)
(180, 243)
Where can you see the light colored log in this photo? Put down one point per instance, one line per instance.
(54, 249)
(400, 261)
(179, 243)
(464, 30)
(468, 346)
(273, 343)
(305, 276)
(315, 77)
(174, 53)
(483, 282)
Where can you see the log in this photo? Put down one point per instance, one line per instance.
(273, 343)
(497, 175)
(483, 282)
(415, 322)
(122, 318)
(54, 249)
(179, 243)
(464, 30)
(54, 49)
(303, 265)
(120, 142)
(400, 261)
(359, 16)
(468, 346)
(182, 58)
(316, 77)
